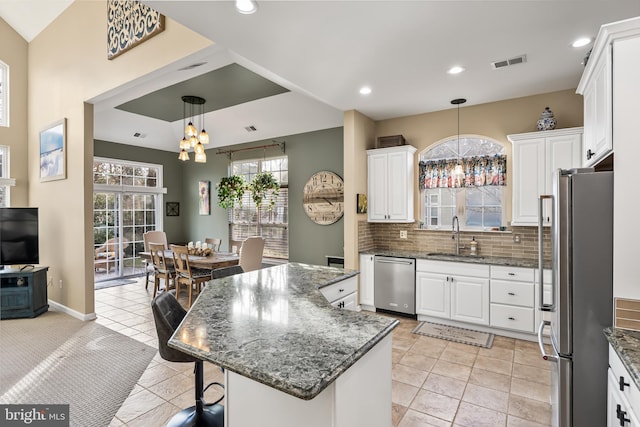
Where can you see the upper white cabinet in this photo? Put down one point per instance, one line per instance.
(536, 157)
(598, 141)
(619, 43)
(390, 184)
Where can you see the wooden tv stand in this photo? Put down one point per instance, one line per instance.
(23, 293)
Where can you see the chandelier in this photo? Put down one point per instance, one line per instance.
(458, 171)
(191, 138)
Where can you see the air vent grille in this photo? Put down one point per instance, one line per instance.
(509, 62)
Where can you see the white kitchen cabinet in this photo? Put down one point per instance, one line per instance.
(536, 157)
(342, 294)
(623, 397)
(596, 89)
(451, 290)
(390, 184)
(513, 298)
(366, 282)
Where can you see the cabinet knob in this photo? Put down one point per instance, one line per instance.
(621, 415)
(621, 383)
(590, 154)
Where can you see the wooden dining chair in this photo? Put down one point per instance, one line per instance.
(155, 236)
(187, 275)
(161, 270)
(251, 253)
(214, 242)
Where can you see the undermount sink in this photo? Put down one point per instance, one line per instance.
(447, 255)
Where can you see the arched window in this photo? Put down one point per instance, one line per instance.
(465, 177)
(4, 94)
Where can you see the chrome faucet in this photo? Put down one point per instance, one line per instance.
(455, 233)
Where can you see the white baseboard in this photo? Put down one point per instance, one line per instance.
(71, 312)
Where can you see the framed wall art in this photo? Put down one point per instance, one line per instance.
(204, 189)
(172, 209)
(361, 203)
(130, 23)
(53, 151)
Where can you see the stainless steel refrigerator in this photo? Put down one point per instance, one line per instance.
(582, 294)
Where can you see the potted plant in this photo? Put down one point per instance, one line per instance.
(230, 190)
(264, 186)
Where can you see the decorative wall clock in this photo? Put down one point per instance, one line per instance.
(323, 199)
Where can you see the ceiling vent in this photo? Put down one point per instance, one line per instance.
(139, 135)
(509, 62)
(192, 66)
(250, 128)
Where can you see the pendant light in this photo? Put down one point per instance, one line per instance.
(191, 138)
(458, 171)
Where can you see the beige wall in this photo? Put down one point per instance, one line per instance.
(67, 66)
(13, 52)
(359, 135)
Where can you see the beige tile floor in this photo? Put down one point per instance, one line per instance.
(435, 382)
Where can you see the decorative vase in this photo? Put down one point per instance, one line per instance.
(547, 121)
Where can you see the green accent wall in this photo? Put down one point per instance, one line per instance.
(307, 153)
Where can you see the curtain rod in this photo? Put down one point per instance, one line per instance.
(230, 152)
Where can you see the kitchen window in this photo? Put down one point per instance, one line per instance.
(477, 195)
(5, 182)
(4, 94)
(246, 220)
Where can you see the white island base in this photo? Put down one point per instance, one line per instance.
(360, 397)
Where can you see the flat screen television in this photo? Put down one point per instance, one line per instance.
(19, 236)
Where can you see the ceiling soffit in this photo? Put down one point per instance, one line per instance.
(222, 88)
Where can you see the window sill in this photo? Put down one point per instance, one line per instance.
(448, 230)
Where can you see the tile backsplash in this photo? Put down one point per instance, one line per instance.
(385, 236)
(627, 314)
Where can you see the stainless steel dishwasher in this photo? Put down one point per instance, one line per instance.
(395, 284)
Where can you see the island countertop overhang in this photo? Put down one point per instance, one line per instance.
(275, 327)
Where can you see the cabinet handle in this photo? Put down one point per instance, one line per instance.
(621, 415)
(590, 154)
(512, 294)
(621, 383)
(512, 274)
(340, 290)
(511, 318)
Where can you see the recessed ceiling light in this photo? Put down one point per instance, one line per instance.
(365, 90)
(246, 7)
(455, 70)
(581, 42)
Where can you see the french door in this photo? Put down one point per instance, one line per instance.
(120, 220)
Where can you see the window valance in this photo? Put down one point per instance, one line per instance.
(478, 171)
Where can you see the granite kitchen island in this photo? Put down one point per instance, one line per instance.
(290, 358)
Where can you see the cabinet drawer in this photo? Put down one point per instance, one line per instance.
(339, 290)
(346, 303)
(452, 268)
(631, 391)
(512, 293)
(512, 273)
(510, 317)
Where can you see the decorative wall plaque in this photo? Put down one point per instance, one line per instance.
(129, 23)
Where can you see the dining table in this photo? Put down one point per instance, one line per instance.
(211, 262)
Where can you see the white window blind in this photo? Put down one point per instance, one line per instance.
(246, 221)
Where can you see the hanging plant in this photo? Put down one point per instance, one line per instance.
(264, 186)
(230, 191)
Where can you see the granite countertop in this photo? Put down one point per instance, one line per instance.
(627, 345)
(479, 259)
(274, 326)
